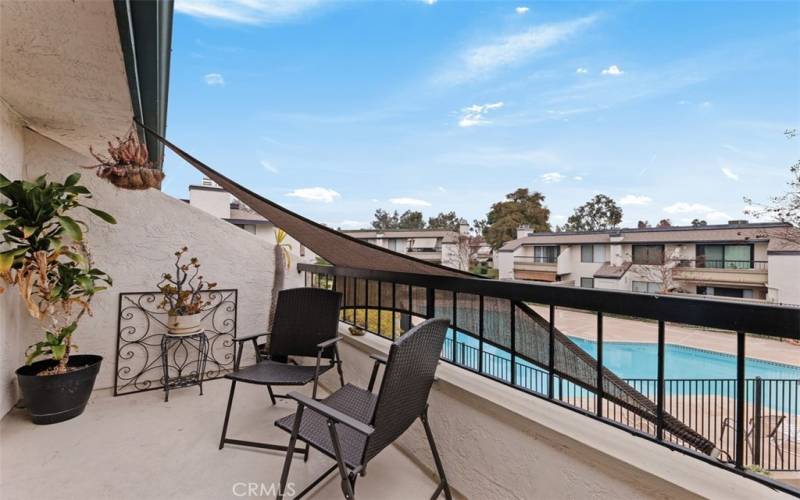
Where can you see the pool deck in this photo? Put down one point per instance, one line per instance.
(584, 325)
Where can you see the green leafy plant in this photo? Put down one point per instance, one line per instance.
(44, 254)
(182, 292)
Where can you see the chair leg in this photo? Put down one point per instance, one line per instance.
(341, 375)
(443, 486)
(347, 485)
(227, 415)
(290, 451)
(271, 395)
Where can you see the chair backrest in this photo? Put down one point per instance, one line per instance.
(406, 383)
(304, 317)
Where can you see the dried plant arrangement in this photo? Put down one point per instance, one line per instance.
(128, 165)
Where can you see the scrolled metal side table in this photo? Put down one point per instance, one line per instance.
(184, 342)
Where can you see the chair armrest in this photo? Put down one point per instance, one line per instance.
(380, 358)
(252, 336)
(331, 413)
(328, 343)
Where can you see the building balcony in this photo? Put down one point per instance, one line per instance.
(752, 273)
(535, 268)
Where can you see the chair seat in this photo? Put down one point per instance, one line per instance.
(350, 400)
(273, 373)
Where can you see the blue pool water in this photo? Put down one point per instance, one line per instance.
(639, 360)
(633, 360)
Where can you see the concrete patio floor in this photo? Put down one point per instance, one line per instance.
(137, 446)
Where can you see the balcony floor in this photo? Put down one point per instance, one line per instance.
(137, 446)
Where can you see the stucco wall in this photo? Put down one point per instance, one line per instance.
(135, 251)
(12, 316)
(496, 442)
(784, 278)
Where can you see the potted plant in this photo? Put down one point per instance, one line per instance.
(182, 297)
(283, 261)
(128, 165)
(45, 256)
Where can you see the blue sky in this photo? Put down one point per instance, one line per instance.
(334, 109)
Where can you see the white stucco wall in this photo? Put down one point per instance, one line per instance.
(215, 201)
(13, 318)
(497, 442)
(784, 278)
(505, 265)
(151, 226)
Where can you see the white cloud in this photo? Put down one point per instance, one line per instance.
(245, 11)
(578, 178)
(430, 2)
(522, 10)
(730, 174)
(698, 210)
(476, 114)
(374, 200)
(685, 208)
(482, 60)
(633, 199)
(716, 216)
(214, 79)
(551, 177)
(612, 70)
(269, 167)
(441, 189)
(321, 194)
(411, 202)
(705, 104)
(581, 71)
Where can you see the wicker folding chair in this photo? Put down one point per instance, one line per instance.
(306, 323)
(353, 425)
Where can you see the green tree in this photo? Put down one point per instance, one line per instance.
(699, 223)
(599, 213)
(445, 220)
(385, 220)
(411, 219)
(520, 207)
(642, 224)
(664, 223)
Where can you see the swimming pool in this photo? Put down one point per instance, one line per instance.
(636, 360)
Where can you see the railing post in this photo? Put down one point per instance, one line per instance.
(513, 343)
(660, 382)
(380, 292)
(480, 334)
(394, 308)
(455, 330)
(757, 422)
(430, 306)
(551, 362)
(599, 408)
(740, 399)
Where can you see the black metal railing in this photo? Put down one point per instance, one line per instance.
(495, 333)
(760, 265)
(539, 259)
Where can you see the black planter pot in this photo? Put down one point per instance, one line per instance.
(55, 398)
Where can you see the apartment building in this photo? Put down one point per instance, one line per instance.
(448, 248)
(740, 260)
(211, 198)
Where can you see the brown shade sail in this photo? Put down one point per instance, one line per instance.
(335, 247)
(571, 362)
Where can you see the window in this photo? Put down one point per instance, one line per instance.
(739, 293)
(648, 254)
(725, 256)
(302, 251)
(594, 253)
(587, 282)
(545, 254)
(646, 286)
(392, 244)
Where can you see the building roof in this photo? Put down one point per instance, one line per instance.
(446, 235)
(781, 237)
(613, 272)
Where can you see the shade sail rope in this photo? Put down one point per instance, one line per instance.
(342, 250)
